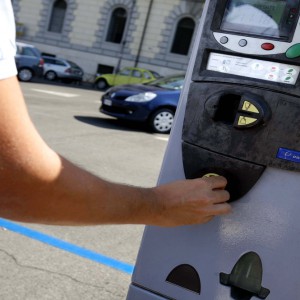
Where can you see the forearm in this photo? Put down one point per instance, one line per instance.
(37, 185)
(73, 197)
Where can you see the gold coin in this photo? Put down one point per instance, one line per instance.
(211, 175)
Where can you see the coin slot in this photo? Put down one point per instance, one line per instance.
(227, 108)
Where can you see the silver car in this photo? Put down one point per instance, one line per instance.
(63, 69)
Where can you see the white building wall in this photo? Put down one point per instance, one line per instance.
(85, 22)
(29, 14)
(142, 9)
(160, 11)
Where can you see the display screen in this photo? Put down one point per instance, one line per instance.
(253, 68)
(266, 18)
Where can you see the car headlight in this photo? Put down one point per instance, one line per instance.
(143, 97)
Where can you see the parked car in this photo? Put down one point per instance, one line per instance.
(59, 68)
(153, 103)
(29, 62)
(125, 76)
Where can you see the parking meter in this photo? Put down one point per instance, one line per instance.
(239, 116)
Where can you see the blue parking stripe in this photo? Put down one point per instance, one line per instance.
(44, 238)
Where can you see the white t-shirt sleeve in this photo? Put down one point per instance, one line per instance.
(7, 40)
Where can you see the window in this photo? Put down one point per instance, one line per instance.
(105, 69)
(147, 75)
(48, 60)
(117, 26)
(57, 16)
(59, 63)
(137, 74)
(125, 72)
(183, 36)
(26, 51)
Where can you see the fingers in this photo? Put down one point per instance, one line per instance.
(193, 201)
(221, 209)
(217, 185)
(220, 196)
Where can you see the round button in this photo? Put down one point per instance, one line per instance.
(267, 46)
(293, 51)
(243, 43)
(224, 39)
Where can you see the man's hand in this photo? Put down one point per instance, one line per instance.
(191, 201)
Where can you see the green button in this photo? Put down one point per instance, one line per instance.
(293, 51)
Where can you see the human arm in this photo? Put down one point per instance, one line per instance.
(37, 185)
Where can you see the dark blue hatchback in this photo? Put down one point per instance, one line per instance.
(154, 103)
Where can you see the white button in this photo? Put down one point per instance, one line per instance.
(243, 43)
(224, 39)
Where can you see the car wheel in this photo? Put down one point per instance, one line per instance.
(25, 74)
(50, 75)
(101, 84)
(161, 121)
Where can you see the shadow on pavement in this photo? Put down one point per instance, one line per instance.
(114, 124)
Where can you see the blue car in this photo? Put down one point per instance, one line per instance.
(29, 62)
(153, 103)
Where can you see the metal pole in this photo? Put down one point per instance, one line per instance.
(143, 33)
(124, 39)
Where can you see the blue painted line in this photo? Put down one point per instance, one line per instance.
(79, 251)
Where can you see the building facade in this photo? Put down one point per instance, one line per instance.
(105, 35)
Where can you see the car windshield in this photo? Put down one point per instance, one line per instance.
(171, 82)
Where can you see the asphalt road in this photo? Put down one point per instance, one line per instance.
(31, 267)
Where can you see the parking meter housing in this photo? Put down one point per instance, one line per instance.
(238, 116)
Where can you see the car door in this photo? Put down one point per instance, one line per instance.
(60, 67)
(136, 77)
(147, 76)
(26, 57)
(48, 64)
(123, 77)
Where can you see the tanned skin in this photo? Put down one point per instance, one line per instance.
(37, 185)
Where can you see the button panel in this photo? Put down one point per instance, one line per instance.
(250, 113)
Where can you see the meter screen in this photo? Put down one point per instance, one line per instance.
(253, 68)
(264, 18)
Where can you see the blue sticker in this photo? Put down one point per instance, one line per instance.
(288, 154)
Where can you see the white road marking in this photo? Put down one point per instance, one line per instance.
(166, 139)
(67, 95)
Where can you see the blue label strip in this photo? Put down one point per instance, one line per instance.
(85, 253)
(290, 155)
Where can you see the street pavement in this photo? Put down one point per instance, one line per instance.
(40, 262)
